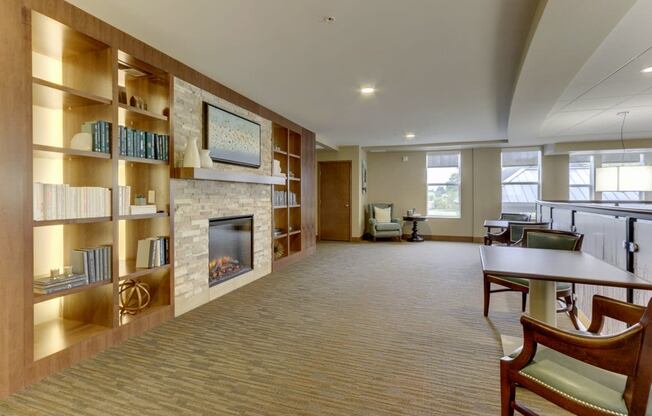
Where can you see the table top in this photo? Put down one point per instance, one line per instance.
(415, 218)
(556, 265)
(502, 223)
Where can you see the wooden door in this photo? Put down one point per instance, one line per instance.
(335, 201)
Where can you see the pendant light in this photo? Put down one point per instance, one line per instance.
(623, 178)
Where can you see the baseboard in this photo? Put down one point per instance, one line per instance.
(356, 239)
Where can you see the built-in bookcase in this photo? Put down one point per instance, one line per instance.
(286, 233)
(78, 80)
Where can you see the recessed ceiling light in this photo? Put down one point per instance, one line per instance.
(410, 136)
(646, 70)
(367, 90)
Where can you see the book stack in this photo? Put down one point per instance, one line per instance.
(62, 201)
(124, 199)
(153, 252)
(143, 144)
(101, 133)
(292, 198)
(94, 263)
(280, 198)
(44, 285)
(142, 209)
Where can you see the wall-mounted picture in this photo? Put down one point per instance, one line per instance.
(231, 138)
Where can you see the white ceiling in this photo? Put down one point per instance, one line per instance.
(609, 82)
(444, 69)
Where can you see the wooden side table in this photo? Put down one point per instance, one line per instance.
(414, 237)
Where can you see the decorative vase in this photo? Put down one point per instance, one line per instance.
(191, 155)
(205, 158)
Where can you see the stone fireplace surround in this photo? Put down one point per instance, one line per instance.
(195, 202)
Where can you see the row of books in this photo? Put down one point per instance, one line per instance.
(101, 134)
(93, 262)
(144, 144)
(153, 252)
(89, 265)
(62, 201)
(281, 198)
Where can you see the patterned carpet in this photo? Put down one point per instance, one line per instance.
(357, 329)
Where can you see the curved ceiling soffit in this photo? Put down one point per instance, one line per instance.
(563, 38)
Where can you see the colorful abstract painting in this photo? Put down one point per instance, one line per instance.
(231, 138)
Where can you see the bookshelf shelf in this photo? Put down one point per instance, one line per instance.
(54, 152)
(143, 113)
(73, 86)
(142, 216)
(46, 223)
(288, 216)
(128, 319)
(128, 270)
(55, 96)
(59, 334)
(42, 298)
(143, 160)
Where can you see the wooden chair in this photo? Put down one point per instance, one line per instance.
(509, 216)
(513, 233)
(584, 373)
(539, 238)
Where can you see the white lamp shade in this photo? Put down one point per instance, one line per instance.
(606, 179)
(635, 178)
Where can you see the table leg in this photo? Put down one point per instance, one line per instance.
(415, 237)
(543, 301)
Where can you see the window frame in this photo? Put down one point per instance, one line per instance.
(537, 183)
(458, 184)
(590, 185)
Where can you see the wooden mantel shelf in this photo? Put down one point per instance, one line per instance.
(216, 175)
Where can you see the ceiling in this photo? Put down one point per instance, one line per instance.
(443, 69)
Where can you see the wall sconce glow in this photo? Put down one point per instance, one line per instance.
(367, 90)
(647, 70)
(410, 136)
(624, 179)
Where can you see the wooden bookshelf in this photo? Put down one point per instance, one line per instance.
(78, 80)
(287, 145)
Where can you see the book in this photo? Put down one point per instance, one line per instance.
(142, 209)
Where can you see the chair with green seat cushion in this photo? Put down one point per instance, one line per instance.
(509, 216)
(585, 373)
(516, 230)
(539, 238)
(388, 227)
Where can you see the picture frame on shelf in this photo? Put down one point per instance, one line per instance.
(231, 138)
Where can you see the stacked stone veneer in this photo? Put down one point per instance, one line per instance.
(196, 202)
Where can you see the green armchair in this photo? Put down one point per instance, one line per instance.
(382, 229)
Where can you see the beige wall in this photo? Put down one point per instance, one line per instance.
(358, 200)
(554, 177)
(486, 187)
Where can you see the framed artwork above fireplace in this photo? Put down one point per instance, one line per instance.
(230, 138)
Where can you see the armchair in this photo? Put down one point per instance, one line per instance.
(382, 229)
(513, 233)
(584, 373)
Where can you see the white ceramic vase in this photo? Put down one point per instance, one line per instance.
(191, 155)
(205, 158)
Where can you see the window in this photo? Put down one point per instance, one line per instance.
(520, 180)
(621, 159)
(580, 177)
(443, 178)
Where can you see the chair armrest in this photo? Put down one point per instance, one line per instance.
(373, 221)
(502, 237)
(617, 353)
(621, 311)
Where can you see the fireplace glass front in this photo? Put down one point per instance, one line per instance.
(230, 248)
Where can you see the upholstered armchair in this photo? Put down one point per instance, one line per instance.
(513, 233)
(387, 227)
(583, 372)
(509, 216)
(546, 239)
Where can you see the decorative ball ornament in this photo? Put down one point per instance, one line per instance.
(134, 296)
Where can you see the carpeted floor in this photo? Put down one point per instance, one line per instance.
(357, 329)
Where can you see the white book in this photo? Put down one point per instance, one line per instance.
(142, 209)
(38, 201)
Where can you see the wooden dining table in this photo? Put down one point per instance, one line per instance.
(544, 267)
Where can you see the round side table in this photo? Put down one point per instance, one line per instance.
(414, 237)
